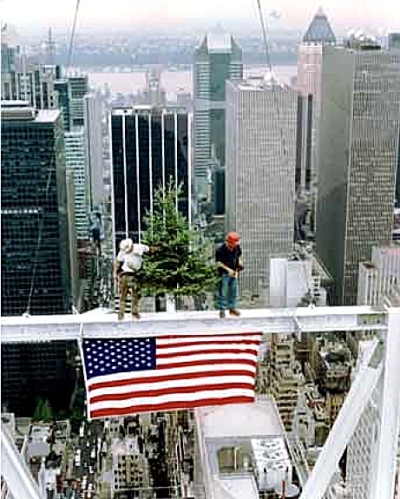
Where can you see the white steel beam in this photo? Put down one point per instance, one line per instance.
(343, 428)
(73, 327)
(385, 469)
(15, 470)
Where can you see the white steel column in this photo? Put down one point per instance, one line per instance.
(342, 430)
(176, 155)
(15, 471)
(390, 412)
(125, 176)
(138, 177)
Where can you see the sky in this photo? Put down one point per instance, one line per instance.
(59, 13)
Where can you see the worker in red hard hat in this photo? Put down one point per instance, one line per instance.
(229, 259)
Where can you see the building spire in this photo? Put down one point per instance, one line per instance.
(320, 30)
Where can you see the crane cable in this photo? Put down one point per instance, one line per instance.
(51, 170)
(72, 38)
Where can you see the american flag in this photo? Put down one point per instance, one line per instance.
(135, 375)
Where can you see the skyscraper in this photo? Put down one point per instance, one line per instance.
(318, 35)
(378, 278)
(35, 264)
(34, 84)
(149, 147)
(93, 115)
(394, 41)
(34, 196)
(357, 153)
(217, 60)
(260, 173)
(304, 140)
(79, 88)
(63, 89)
(75, 161)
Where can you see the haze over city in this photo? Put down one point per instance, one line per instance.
(180, 15)
(200, 249)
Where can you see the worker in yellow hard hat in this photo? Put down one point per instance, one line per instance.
(229, 260)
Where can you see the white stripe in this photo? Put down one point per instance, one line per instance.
(203, 348)
(159, 385)
(175, 397)
(196, 339)
(207, 356)
(175, 370)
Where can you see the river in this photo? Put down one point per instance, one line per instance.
(172, 81)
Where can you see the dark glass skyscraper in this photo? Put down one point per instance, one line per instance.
(33, 195)
(150, 146)
(35, 263)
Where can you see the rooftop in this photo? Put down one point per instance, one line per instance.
(319, 30)
(244, 420)
(268, 81)
(219, 41)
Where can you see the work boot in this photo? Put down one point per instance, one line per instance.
(222, 314)
(135, 315)
(121, 316)
(234, 312)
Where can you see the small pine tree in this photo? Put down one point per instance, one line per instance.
(38, 415)
(47, 412)
(182, 264)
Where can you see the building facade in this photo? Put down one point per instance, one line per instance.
(217, 60)
(34, 84)
(93, 113)
(379, 277)
(35, 267)
(260, 173)
(75, 162)
(34, 202)
(357, 155)
(150, 148)
(63, 89)
(304, 141)
(79, 88)
(309, 66)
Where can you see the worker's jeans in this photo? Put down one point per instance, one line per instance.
(227, 293)
(128, 284)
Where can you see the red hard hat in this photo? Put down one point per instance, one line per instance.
(233, 238)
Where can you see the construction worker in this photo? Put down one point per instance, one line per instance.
(229, 261)
(127, 265)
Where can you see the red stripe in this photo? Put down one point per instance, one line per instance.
(216, 342)
(169, 391)
(207, 362)
(173, 337)
(205, 352)
(171, 377)
(168, 406)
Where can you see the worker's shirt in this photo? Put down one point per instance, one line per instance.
(133, 260)
(228, 257)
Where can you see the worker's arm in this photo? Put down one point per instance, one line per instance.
(117, 265)
(117, 268)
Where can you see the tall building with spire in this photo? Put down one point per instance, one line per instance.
(217, 60)
(318, 35)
